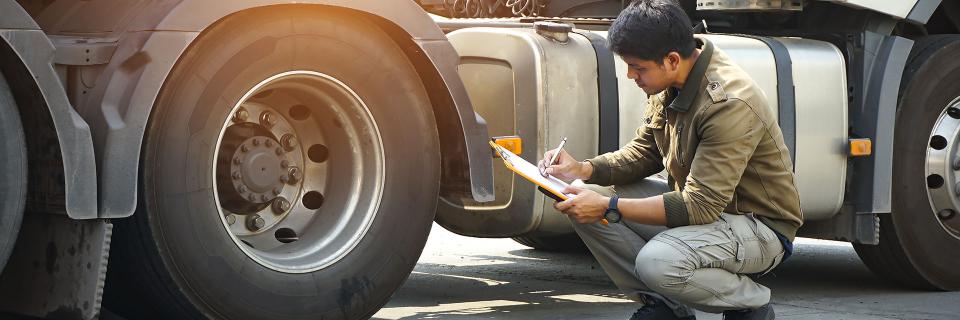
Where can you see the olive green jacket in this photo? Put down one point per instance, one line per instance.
(721, 145)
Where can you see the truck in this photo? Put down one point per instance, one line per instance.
(265, 159)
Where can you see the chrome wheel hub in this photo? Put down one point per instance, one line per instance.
(299, 171)
(942, 168)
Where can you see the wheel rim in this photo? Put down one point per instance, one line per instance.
(298, 171)
(942, 168)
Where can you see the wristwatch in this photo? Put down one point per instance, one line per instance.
(613, 214)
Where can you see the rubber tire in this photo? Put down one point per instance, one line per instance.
(13, 172)
(553, 243)
(914, 249)
(174, 258)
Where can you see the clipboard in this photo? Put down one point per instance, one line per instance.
(549, 186)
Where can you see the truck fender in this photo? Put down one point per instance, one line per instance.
(151, 47)
(26, 57)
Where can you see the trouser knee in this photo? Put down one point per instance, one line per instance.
(663, 268)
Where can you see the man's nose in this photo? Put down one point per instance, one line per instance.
(631, 74)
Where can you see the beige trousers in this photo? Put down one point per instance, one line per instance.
(703, 267)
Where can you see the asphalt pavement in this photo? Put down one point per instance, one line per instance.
(464, 278)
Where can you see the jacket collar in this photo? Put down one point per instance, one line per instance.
(694, 82)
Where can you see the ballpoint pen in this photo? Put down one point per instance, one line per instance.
(553, 158)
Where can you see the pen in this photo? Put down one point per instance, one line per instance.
(554, 157)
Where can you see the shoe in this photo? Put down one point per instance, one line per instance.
(654, 309)
(764, 312)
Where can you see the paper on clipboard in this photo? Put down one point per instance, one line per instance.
(530, 172)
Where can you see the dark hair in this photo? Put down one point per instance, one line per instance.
(651, 29)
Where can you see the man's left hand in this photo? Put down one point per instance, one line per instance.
(585, 206)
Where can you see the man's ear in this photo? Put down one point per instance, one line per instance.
(672, 60)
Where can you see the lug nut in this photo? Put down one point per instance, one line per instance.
(294, 174)
(241, 189)
(956, 163)
(278, 151)
(244, 148)
(268, 143)
(236, 175)
(252, 197)
(236, 160)
(241, 115)
(289, 142)
(267, 119)
(277, 190)
(255, 222)
(256, 142)
(285, 178)
(231, 219)
(280, 205)
(284, 163)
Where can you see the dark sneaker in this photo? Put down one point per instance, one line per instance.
(654, 309)
(764, 312)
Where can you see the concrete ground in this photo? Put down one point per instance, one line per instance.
(468, 278)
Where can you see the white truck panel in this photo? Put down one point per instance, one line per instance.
(896, 8)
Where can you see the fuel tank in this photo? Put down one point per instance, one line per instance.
(541, 89)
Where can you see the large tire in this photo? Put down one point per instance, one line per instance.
(181, 255)
(918, 247)
(13, 172)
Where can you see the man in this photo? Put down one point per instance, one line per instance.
(732, 207)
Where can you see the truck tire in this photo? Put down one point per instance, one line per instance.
(919, 239)
(13, 172)
(553, 243)
(290, 171)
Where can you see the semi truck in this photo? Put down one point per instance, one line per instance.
(263, 159)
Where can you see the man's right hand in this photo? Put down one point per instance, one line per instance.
(566, 168)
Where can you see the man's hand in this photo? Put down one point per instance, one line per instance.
(567, 168)
(585, 206)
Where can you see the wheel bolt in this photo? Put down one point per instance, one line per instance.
(244, 148)
(956, 163)
(956, 189)
(285, 178)
(241, 189)
(288, 141)
(268, 143)
(241, 115)
(278, 151)
(256, 142)
(267, 119)
(231, 219)
(236, 175)
(252, 197)
(277, 190)
(237, 160)
(280, 205)
(255, 222)
(284, 163)
(294, 174)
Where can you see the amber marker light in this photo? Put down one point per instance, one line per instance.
(512, 143)
(860, 147)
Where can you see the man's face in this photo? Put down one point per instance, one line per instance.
(651, 76)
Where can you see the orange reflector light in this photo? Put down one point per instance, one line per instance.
(860, 147)
(512, 143)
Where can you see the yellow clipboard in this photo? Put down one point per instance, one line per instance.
(550, 186)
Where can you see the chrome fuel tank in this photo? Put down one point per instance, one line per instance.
(529, 85)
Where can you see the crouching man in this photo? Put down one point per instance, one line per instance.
(730, 206)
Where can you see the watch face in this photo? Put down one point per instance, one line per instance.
(612, 216)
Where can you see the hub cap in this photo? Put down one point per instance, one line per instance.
(943, 168)
(298, 171)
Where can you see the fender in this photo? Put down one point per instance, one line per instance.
(26, 59)
(152, 36)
